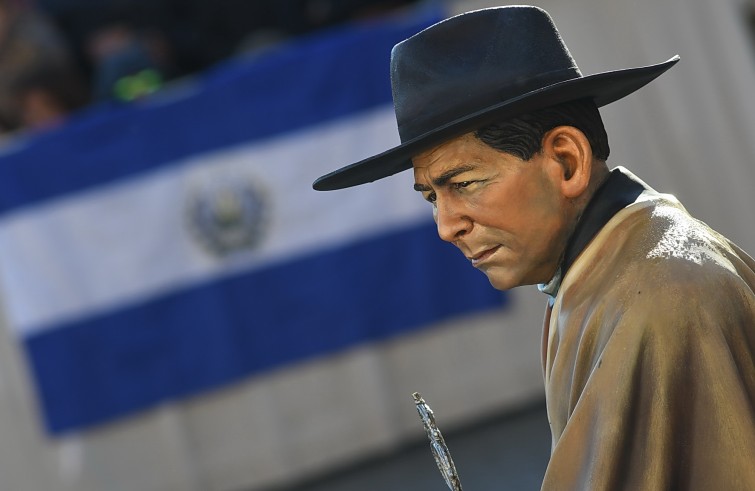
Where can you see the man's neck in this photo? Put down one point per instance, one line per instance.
(615, 191)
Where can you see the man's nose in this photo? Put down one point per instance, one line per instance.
(452, 223)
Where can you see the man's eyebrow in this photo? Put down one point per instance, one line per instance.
(443, 179)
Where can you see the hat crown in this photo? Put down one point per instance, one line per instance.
(478, 68)
(472, 61)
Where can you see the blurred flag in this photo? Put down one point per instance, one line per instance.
(153, 251)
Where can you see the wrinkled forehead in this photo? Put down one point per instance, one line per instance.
(440, 158)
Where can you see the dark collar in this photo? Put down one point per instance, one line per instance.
(617, 192)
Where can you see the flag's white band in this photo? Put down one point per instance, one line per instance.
(113, 239)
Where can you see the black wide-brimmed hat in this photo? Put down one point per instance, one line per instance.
(475, 69)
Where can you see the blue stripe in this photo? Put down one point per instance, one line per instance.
(214, 334)
(297, 86)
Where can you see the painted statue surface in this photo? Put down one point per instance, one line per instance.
(648, 358)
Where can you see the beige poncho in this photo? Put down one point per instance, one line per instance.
(649, 358)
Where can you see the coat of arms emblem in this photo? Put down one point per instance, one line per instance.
(228, 216)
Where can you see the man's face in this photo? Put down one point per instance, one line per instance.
(506, 215)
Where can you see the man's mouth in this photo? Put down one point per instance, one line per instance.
(481, 257)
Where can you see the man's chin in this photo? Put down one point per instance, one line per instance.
(506, 278)
(501, 281)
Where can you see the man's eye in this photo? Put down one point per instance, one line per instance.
(430, 198)
(462, 184)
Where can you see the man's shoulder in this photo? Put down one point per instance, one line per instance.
(656, 276)
(654, 247)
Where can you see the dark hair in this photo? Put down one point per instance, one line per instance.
(522, 136)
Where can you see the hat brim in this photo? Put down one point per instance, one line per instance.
(604, 88)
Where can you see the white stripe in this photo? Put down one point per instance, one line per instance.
(122, 243)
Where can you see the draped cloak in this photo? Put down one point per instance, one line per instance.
(648, 355)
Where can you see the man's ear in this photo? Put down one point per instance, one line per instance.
(569, 147)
